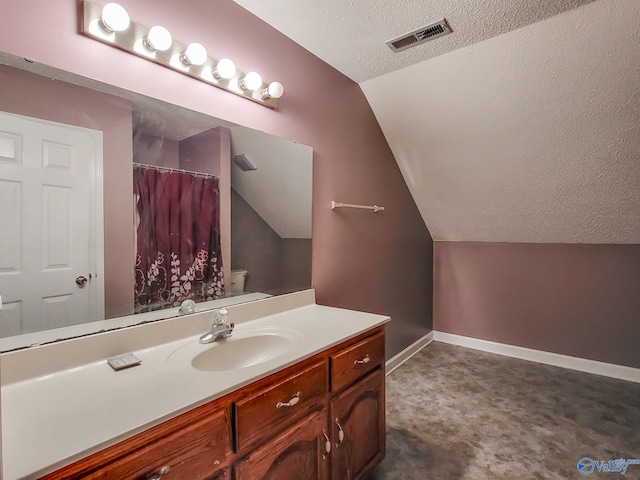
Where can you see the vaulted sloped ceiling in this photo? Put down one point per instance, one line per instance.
(532, 135)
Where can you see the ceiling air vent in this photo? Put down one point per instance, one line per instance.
(417, 37)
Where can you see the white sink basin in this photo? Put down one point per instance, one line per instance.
(245, 348)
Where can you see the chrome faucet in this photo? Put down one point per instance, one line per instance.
(221, 327)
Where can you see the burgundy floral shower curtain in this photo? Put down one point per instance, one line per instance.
(178, 239)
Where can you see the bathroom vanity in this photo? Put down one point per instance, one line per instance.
(297, 392)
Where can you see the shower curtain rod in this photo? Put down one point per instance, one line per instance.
(178, 170)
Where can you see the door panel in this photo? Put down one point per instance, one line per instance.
(11, 317)
(10, 237)
(57, 213)
(57, 155)
(10, 148)
(55, 310)
(47, 203)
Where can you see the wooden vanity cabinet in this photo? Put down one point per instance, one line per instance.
(299, 453)
(265, 409)
(195, 445)
(345, 442)
(320, 419)
(358, 428)
(356, 360)
(222, 475)
(357, 408)
(195, 452)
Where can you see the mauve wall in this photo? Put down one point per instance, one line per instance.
(224, 137)
(201, 152)
(255, 247)
(274, 264)
(573, 299)
(378, 263)
(296, 263)
(152, 150)
(35, 96)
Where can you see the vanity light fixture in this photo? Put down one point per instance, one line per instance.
(195, 54)
(251, 81)
(158, 39)
(274, 90)
(114, 18)
(111, 25)
(225, 69)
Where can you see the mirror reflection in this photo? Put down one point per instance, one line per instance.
(116, 208)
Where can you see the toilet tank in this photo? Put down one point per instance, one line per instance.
(237, 282)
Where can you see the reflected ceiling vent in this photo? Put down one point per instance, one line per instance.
(243, 163)
(417, 37)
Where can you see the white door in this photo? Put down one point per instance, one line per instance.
(50, 213)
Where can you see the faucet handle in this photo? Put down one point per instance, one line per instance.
(228, 330)
(188, 306)
(221, 316)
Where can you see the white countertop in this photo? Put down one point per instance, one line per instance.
(51, 421)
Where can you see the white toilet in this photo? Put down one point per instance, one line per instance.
(237, 282)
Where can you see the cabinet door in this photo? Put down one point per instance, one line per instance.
(358, 428)
(296, 454)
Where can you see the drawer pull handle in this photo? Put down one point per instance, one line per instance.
(159, 474)
(364, 361)
(327, 445)
(340, 432)
(294, 400)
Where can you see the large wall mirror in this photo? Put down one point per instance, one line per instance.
(115, 208)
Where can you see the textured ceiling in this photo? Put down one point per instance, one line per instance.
(532, 136)
(350, 35)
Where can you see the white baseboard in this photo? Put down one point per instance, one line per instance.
(397, 360)
(573, 363)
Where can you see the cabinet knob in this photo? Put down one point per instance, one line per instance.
(364, 361)
(159, 474)
(340, 433)
(293, 401)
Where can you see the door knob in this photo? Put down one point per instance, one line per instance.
(81, 281)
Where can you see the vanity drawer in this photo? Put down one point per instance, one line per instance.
(263, 414)
(355, 361)
(197, 452)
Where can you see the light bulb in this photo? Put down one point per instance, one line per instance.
(158, 38)
(225, 69)
(195, 54)
(115, 18)
(251, 81)
(275, 90)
